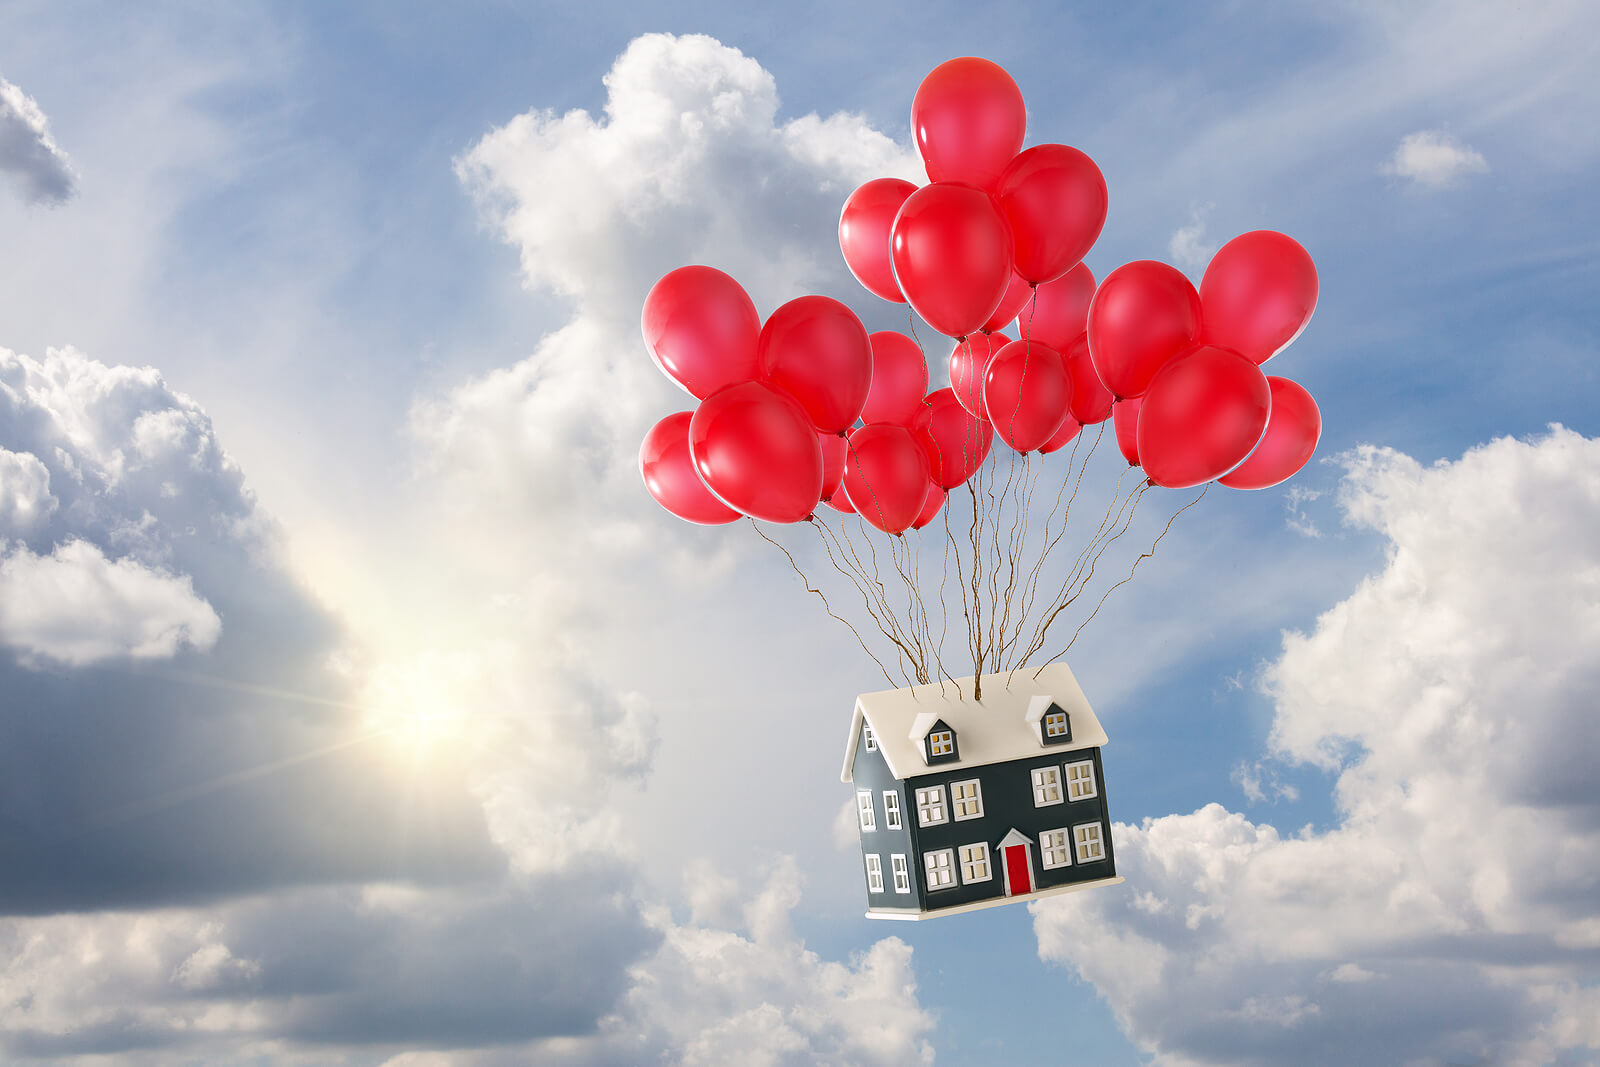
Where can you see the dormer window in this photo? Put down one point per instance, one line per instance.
(1055, 727)
(939, 746)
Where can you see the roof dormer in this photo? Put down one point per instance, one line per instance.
(1050, 720)
(939, 744)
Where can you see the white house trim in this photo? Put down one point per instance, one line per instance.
(995, 729)
(973, 803)
(914, 915)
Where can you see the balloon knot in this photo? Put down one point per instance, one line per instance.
(844, 433)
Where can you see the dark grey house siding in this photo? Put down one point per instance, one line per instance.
(1007, 790)
(871, 772)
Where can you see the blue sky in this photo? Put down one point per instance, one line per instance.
(359, 706)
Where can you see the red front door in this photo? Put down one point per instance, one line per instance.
(1017, 878)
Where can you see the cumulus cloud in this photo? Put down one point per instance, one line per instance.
(1451, 912)
(1434, 159)
(75, 606)
(28, 154)
(25, 499)
(756, 995)
(687, 163)
(139, 733)
(505, 930)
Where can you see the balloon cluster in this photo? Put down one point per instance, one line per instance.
(809, 407)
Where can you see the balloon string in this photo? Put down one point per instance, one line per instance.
(1077, 580)
(889, 612)
(885, 614)
(1031, 595)
(825, 605)
(857, 575)
(1142, 557)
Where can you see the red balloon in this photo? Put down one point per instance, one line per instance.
(864, 226)
(886, 476)
(969, 362)
(701, 329)
(1205, 410)
(1125, 420)
(1091, 400)
(840, 501)
(668, 473)
(1143, 314)
(1061, 313)
(899, 379)
(1055, 199)
(1018, 293)
(1063, 437)
(951, 250)
(956, 442)
(1025, 392)
(930, 506)
(1257, 294)
(816, 350)
(1293, 430)
(834, 449)
(754, 448)
(969, 120)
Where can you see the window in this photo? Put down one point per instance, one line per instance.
(930, 806)
(1088, 842)
(941, 874)
(891, 809)
(869, 821)
(1080, 780)
(902, 876)
(974, 863)
(1056, 727)
(1046, 786)
(1053, 850)
(874, 874)
(941, 743)
(966, 799)
(868, 738)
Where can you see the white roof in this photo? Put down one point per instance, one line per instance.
(1003, 726)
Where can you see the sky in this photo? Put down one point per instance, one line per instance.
(358, 706)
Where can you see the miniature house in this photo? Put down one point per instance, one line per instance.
(969, 804)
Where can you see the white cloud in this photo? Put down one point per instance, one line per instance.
(28, 153)
(77, 607)
(718, 996)
(1453, 911)
(1188, 247)
(525, 536)
(25, 500)
(1434, 159)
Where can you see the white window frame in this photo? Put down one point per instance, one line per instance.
(1086, 774)
(931, 799)
(944, 747)
(866, 814)
(1051, 728)
(1082, 842)
(874, 873)
(939, 869)
(1045, 779)
(971, 861)
(869, 739)
(891, 810)
(1048, 847)
(902, 873)
(958, 803)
